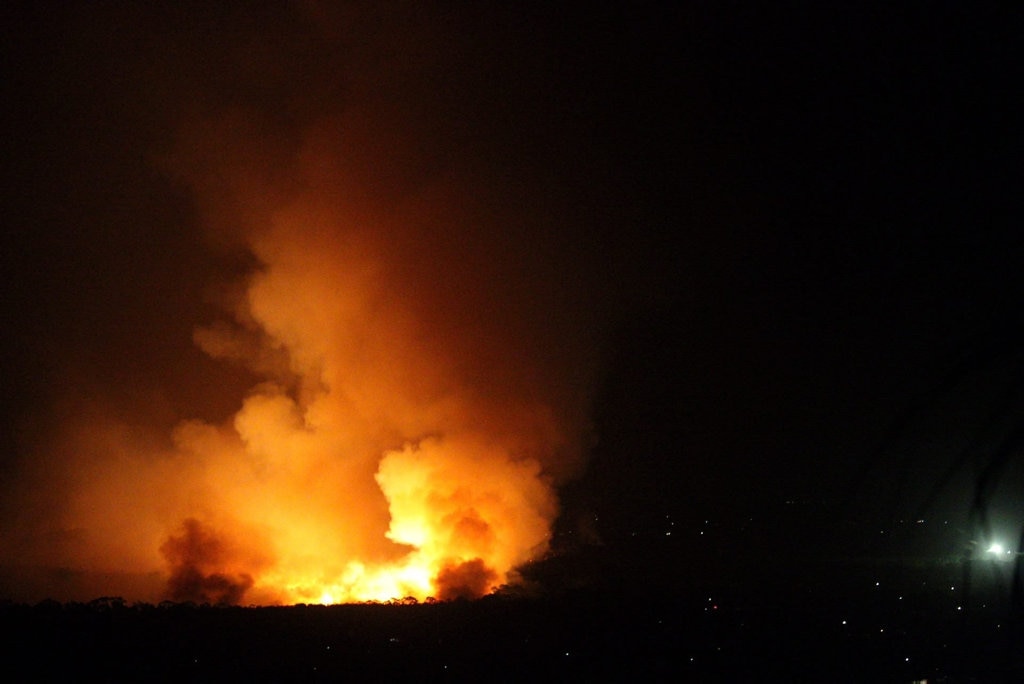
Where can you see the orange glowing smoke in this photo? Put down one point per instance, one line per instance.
(403, 440)
(414, 409)
(416, 324)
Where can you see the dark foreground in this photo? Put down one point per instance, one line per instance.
(825, 623)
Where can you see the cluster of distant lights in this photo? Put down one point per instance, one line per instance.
(712, 606)
(996, 549)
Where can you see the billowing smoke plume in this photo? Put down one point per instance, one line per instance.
(414, 318)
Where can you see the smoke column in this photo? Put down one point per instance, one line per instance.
(413, 316)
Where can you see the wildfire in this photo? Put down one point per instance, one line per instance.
(422, 366)
(365, 468)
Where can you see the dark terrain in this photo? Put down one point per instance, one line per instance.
(630, 611)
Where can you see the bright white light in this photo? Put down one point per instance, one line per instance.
(996, 548)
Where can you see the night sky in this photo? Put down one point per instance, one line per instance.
(748, 253)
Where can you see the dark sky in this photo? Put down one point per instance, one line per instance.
(784, 223)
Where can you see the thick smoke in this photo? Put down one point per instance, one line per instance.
(414, 318)
(471, 579)
(196, 558)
